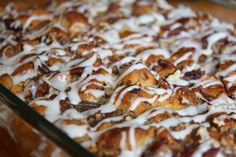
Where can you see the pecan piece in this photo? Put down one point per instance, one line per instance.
(56, 34)
(93, 120)
(22, 68)
(164, 68)
(86, 105)
(193, 75)
(77, 71)
(211, 152)
(52, 61)
(65, 104)
(43, 69)
(43, 89)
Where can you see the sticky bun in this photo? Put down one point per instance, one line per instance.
(136, 78)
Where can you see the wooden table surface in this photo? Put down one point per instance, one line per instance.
(224, 13)
(7, 145)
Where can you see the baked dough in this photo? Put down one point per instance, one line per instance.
(125, 77)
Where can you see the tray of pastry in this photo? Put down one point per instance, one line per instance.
(33, 135)
(138, 78)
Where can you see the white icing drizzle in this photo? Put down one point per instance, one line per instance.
(35, 17)
(72, 114)
(121, 95)
(73, 94)
(183, 133)
(180, 12)
(125, 151)
(137, 101)
(226, 71)
(22, 77)
(132, 68)
(182, 58)
(75, 130)
(145, 54)
(212, 39)
(89, 62)
(231, 80)
(95, 92)
(175, 79)
(59, 81)
(115, 59)
(110, 36)
(203, 148)
(208, 83)
(53, 107)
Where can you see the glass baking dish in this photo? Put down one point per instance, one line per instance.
(228, 3)
(32, 134)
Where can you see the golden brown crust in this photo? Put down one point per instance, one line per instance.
(110, 147)
(6, 80)
(140, 77)
(125, 78)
